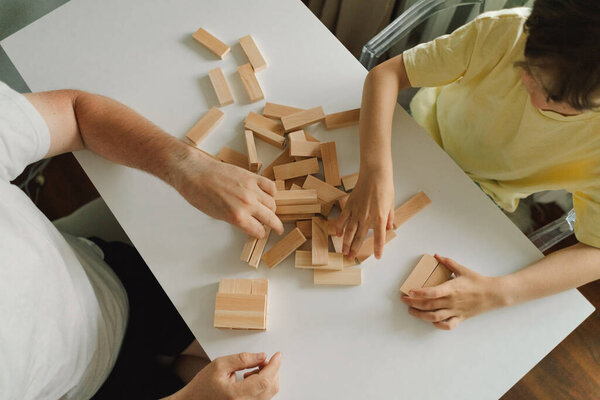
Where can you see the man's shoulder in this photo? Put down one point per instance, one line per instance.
(516, 16)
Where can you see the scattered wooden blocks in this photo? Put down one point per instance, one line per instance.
(217, 78)
(250, 82)
(301, 119)
(368, 247)
(267, 123)
(342, 119)
(325, 192)
(205, 125)
(213, 44)
(253, 163)
(283, 158)
(350, 181)
(288, 197)
(296, 169)
(320, 242)
(410, 208)
(346, 277)
(273, 110)
(282, 249)
(248, 248)
(254, 56)
(259, 248)
(330, 163)
(298, 209)
(302, 148)
(428, 272)
(241, 304)
(231, 156)
(266, 135)
(305, 227)
(303, 260)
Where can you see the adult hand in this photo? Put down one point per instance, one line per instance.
(370, 206)
(231, 194)
(218, 381)
(450, 303)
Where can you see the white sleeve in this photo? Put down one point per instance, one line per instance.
(24, 135)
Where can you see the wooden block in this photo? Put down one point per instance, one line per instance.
(350, 181)
(240, 311)
(250, 82)
(310, 138)
(410, 208)
(282, 158)
(305, 227)
(282, 249)
(254, 56)
(301, 119)
(298, 209)
(295, 169)
(248, 248)
(213, 44)
(347, 277)
(260, 286)
(342, 201)
(189, 143)
(439, 275)
(231, 156)
(280, 185)
(243, 286)
(297, 135)
(217, 78)
(298, 182)
(302, 148)
(349, 262)
(295, 186)
(287, 197)
(320, 242)
(266, 135)
(204, 125)
(331, 229)
(267, 123)
(325, 192)
(325, 207)
(338, 243)
(419, 275)
(253, 162)
(227, 286)
(259, 248)
(330, 164)
(368, 247)
(342, 119)
(273, 110)
(303, 260)
(295, 217)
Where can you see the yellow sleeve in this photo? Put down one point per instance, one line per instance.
(587, 217)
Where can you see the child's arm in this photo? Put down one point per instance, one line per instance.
(470, 293)
(371, 204)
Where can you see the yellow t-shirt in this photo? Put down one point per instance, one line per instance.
(476, 108)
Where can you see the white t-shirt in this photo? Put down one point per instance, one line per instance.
(63, 311)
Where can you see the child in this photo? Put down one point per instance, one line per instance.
(513, 98)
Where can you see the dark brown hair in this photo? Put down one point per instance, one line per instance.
(564, 41)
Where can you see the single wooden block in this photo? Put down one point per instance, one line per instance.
(231, 156)
(349, 262)
(259, 248)
(320, 242)
(282, 249)
(301, 119)
(296, 183)
(420, 275)
(267, 123)
(368, 247)
(297, 135)
(325, 192)
(298, 209)
(325, 207)
(350, 181)
(305, 227)
(347, 277)
(282, 158)
(410, 208)
(331, 226)
(213, 44)
(330, 163)
(273, 110)
(288, 197)
(254, 56)
(260, 286)
(295, 217)
(310, 138)
(227, 286)
(240, 311)
(342, 119)
(217, 78)
(280, 185)
(204, 125)
(342, 201)
(253, 161)
(266, 135)
(250, 82)
(248, 248)
(338, 243)
(303, 260)
(295, 169)
(243, 286)
(302, 148)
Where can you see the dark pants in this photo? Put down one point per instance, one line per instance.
(154, 328)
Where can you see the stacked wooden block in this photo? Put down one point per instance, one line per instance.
(242, 304)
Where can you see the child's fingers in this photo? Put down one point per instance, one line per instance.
(452, 265)
(379, 236)
(349, 236)
(431, 316)
(390, 221)
(426, 304)
(361, 232)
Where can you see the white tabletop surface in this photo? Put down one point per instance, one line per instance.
(351, 343)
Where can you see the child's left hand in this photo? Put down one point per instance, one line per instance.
(450, 303)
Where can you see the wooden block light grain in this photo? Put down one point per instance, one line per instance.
(217, 78)
(250, 83)
(213, 44)
(410, 208)
(342, 119)
(301, 119)
(282, 249)
(205, 125)
(253, 53)
(296, 169)
(330, 163)
(428, 272)
(345, 277)
(273, 110)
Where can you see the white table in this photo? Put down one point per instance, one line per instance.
(351, 343)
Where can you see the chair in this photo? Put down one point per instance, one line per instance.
(425, 20)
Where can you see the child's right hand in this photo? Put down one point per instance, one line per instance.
(370, 206)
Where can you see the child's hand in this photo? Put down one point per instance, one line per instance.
(370, 206)
(450, 303)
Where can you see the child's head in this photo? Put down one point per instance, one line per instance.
(561, 70)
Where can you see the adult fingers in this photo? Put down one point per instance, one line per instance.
(431, 316)
(250, 225)
(267, 185)
(240, 361)
(426, 304)
(448, 324)
(267, 200)
(268, 217)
